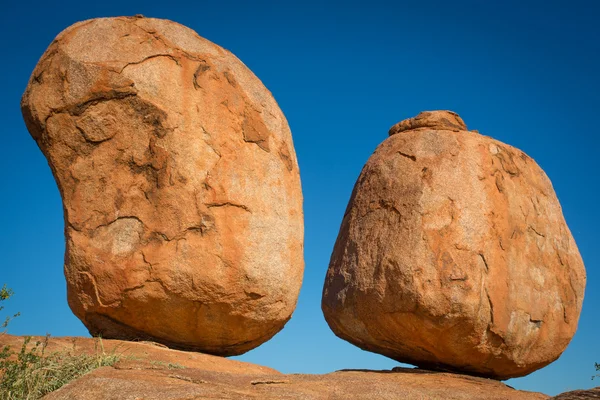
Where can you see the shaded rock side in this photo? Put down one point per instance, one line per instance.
(454, 254)
(148, 372)
(180, 185)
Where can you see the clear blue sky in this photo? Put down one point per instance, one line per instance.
(342, 73)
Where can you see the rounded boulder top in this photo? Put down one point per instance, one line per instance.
(180, 185)
(431, 119)
(454, 254)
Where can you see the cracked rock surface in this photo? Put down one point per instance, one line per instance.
(149, 372)
(454, 254)
(180, 185)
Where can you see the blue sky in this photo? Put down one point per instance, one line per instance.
(525, 73)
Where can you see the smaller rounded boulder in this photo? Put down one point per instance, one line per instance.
(454, 254)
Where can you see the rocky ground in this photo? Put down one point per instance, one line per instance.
(150, 371)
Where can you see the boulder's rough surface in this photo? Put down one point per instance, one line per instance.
(454, 254)
(147, 372)
(588, 394)
(180, 185)
(141, 355)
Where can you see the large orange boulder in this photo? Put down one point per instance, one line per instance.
(180, 185)
(454, 254)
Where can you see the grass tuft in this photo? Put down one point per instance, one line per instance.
(33, 373)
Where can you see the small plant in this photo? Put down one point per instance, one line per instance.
(5, 294)
(175, 366)
(163, 364)
(32, 373)
(5, 351)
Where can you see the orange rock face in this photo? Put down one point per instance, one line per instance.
(454, 254)
(180, 185)
(145, 371)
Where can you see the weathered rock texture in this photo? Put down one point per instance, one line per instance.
(180, 184)
(588, 394)
(152, 373)
(454, 254)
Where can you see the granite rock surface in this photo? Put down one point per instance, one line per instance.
(454, 254)
(180, 185)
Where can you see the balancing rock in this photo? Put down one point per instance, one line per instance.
(180, 185)
(454, 254)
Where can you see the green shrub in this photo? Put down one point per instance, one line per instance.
(31, 373)
(5, 294)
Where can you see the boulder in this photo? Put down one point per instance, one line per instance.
(180, 185)
(453, 254)
(593, 393)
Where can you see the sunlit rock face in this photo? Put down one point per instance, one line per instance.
(180, 185)
(454, 254)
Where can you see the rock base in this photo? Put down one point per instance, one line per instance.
(148, 371)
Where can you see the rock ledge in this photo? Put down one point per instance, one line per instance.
(155, 373)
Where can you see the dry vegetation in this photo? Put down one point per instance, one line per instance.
(31, 373)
